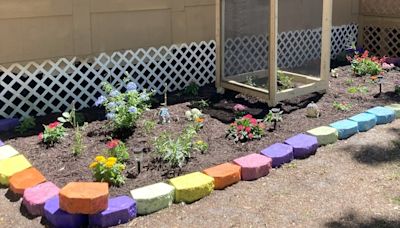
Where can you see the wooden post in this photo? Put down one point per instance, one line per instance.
(218, 44)
(326, 41)
(273, 49)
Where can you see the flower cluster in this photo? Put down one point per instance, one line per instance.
(240, 110)
(52, 133)
(117, 148)
(124, 109)
(108, 170)
(246, 128)
(365, 64)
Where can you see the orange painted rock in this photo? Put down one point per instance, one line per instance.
(84, 197)
(25, 179)
(224, 175)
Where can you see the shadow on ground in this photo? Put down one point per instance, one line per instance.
(354, 220)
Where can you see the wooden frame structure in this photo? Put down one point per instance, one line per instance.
(271, 95)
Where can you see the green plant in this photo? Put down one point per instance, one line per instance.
(193, 114)
(240, 110)
(341, 106)
(349, 82)
(27, 124)
(117, 148)
(201, 104)
(365, 64)
(124, 109)
(245, 129)
(274, 116)
(192, 89)
(250, 81)
(200, 146)
(357, 89)
(148, 126)
(284, 81)
(108, 170)
(52, 133)
(175, 151)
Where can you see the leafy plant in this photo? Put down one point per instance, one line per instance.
(201, 104)
(124, 109)
(175, 151)
(357, 89)
(192, 89)
(274, 116)
(26, 124)
(117, 148)
(365, 64)
(52, 133)
(349, 82)
(284, 81)
(341, 106)
(245, 129)
(148, 126)
(193, 114)
(250, 81)
(200, 146)
(108, 170)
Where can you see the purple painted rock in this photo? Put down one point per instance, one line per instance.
(120, 210)
(303, 145)
(8, 124)
(253, 166)
(36, 197)
(1, 143)
(61, 219)
(280, 154)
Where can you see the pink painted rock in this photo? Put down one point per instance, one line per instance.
(36, 197)
(254, 166)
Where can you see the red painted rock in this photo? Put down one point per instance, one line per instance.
(84, 197)
(36, 197)
(254, 166)
(224, 175)
(25, 179)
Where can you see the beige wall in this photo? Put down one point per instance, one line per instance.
(42, 29)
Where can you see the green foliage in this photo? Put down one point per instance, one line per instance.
(397, 89)
(148, 126)
(75, 120)
(201, 104)
(250, 81)
(357, 89)
(364, 64)
(193, 114)
(284, 81)
(341, 106)
(192, 89)
(108, 170)
(272, 117)
(52, 133)
(200, 146)
(349, 82)
(175, 151)
(118, 149)
(27, 124)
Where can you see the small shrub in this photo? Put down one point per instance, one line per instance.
(349, 82)
(200, 146)
(341, 106)
(117, 148)
(201, 104)
(357, 89)
(245, 129)
(365, 64)
(250, 81)
(149, 126)
(175, 151)
(124, 109)
(52, 133)
(193, 114)
(284, 81)
(240, 110)
(274, 116)
(108, 170)
(192, 89)
(27, 124)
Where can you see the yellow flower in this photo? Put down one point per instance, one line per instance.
(94, 164)
(110, 164)
(199, 142)
(100, 159)
(113, 159)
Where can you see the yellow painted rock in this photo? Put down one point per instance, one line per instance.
(192, 187)
(7, 151)
(11, 166)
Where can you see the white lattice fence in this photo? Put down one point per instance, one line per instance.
(382, 40)
(247, 54)
(51, 86)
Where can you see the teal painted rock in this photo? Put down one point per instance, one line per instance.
(365, 121)
(395, 108)
(345, 128)
(192, 187)
(325, 135)
(383, 115)
(153, 198)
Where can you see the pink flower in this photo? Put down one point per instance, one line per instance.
(240, 128)
(253, 121)
(40, 136)
(112, 144)
(250, 136)
(54, 125)
(239, 108)
(248, 129)
(248, 116)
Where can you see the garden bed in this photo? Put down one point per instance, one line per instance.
(60, 166)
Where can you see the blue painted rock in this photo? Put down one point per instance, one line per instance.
(153, 198)
(1, 143)
(383, 115)
(303, 145)
(345, 128)
(253, 166)
(120, 210)
(280, 154)
(61, 219)
(365, 121)
(36, 197)
(8, 124)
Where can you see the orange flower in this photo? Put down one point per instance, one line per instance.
(199, 120)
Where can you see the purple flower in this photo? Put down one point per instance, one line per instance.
(131, 86)
(111, 105)
(114, 93)
(100, 100)
(144, 97)
(110, 116)
(132, 109)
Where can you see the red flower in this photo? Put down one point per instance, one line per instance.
(253, 121)
(248, 116)
(250, 136)
(248, 129)
(40, 136)
(54, 125)
(365, 54)
(240, 127)
(112, 144)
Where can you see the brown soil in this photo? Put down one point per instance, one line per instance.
(60, 166)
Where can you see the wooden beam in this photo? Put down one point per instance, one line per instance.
(326, 41)
(300, 77)
(218, 44)
(299, 91)
(273, 50)
(246, 89)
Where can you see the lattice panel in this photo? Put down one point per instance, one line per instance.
(51, 86)
(383, 41)
(295, 48)
(380, 7)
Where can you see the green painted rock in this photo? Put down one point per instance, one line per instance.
(153, 198)
(11, 166)
(192, 187)
(395, 108)
(7, 151)
(325, 135)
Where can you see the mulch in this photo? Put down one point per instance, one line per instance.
(60, 166)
